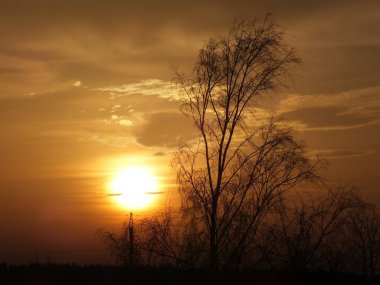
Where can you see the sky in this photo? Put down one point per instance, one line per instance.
(86, 90)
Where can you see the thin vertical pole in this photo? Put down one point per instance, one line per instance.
(131, 240)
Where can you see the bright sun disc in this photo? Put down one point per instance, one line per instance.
(134, 187)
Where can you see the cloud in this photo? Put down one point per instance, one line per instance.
(359, 99)
(158, 87)
(115, 108)
(342, 153)
(77, 83)
(105, 47)
(166, 129)
(125, 122)
(339, 111)
(327, 119)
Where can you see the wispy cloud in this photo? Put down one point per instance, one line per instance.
(158, 87)
(356, 100)
(341, 153)
(77, 83)
(339, 111)
(125, 122)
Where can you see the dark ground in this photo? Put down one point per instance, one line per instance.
(42, 274)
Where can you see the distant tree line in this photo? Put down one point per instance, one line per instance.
(335, 231)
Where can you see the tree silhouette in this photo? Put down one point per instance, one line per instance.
(364, 233)
(235, 211)
(230, 179)
(309, 234)
(124, 246)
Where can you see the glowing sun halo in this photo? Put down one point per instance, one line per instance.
(134, 187)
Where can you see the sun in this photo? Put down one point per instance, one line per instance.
(134, 187)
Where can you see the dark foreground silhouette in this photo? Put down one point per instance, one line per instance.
(42, 274)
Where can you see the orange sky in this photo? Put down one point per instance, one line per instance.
(85, 91)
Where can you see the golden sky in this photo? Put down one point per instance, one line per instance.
(85, 90)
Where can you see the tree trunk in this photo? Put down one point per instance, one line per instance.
(214, 258)
(131, 241)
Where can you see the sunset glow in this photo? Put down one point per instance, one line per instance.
(99, 117)
(134, 187)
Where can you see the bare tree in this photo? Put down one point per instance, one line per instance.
(120, 246)
(167, 240)
(310, 230)
(230, 180)
(364, 234)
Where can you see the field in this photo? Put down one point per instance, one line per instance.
(42, 274)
